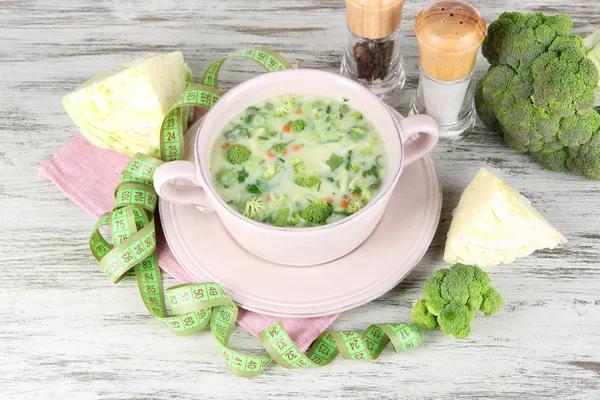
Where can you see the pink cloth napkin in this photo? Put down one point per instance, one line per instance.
(88, 175)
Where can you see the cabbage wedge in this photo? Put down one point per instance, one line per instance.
(494, 224)
(123, 110)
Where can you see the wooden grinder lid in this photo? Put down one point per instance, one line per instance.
(374, 19)
(449, 33)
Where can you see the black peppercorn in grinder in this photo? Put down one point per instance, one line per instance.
(373, 56)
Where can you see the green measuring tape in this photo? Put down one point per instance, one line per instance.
(196, 306)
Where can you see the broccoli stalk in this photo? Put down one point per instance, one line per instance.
(539, 91)
(452, 296)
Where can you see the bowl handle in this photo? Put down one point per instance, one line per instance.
(184, 194)
(419, 135)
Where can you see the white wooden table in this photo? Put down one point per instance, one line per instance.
(65, 332)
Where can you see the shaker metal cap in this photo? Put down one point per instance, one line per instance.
(374, 19)
(449, 33)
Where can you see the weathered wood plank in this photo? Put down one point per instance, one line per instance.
(65, 332)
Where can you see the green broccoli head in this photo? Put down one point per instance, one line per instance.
(452, 296)
(238, 154)
(307, 180)
(298, 125)
(317, 212)
(539, 92)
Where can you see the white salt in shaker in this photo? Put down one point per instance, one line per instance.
(449, 33)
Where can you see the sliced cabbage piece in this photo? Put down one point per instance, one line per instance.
(493, 224)
(124, 109)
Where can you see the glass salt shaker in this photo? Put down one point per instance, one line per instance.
(449, 33)
(373, 55)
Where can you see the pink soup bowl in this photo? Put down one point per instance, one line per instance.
(406, 141)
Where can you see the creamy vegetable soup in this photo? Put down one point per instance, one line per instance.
(298, 161)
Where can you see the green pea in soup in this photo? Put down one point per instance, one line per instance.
(298, 161)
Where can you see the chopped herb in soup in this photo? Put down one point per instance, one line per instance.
(298, 161)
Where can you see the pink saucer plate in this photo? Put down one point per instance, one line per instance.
(207, 252)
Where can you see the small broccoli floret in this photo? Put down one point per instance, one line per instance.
(365, 197)
(284, 109)
(356, 116)
(238, 154)
(298, 125)
(492, 302)
(294, 219)
(270, 171)
(422, 317)
(298, 165)
(455, 319)
(281, 200)
(253, 207)
(356, 206)
(228, 177)
(307, 180)
(279, 147)
(317, 212)
(452, 296)
(357, 133)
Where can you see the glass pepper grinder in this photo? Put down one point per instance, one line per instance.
(373, 55)
(449, 33)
